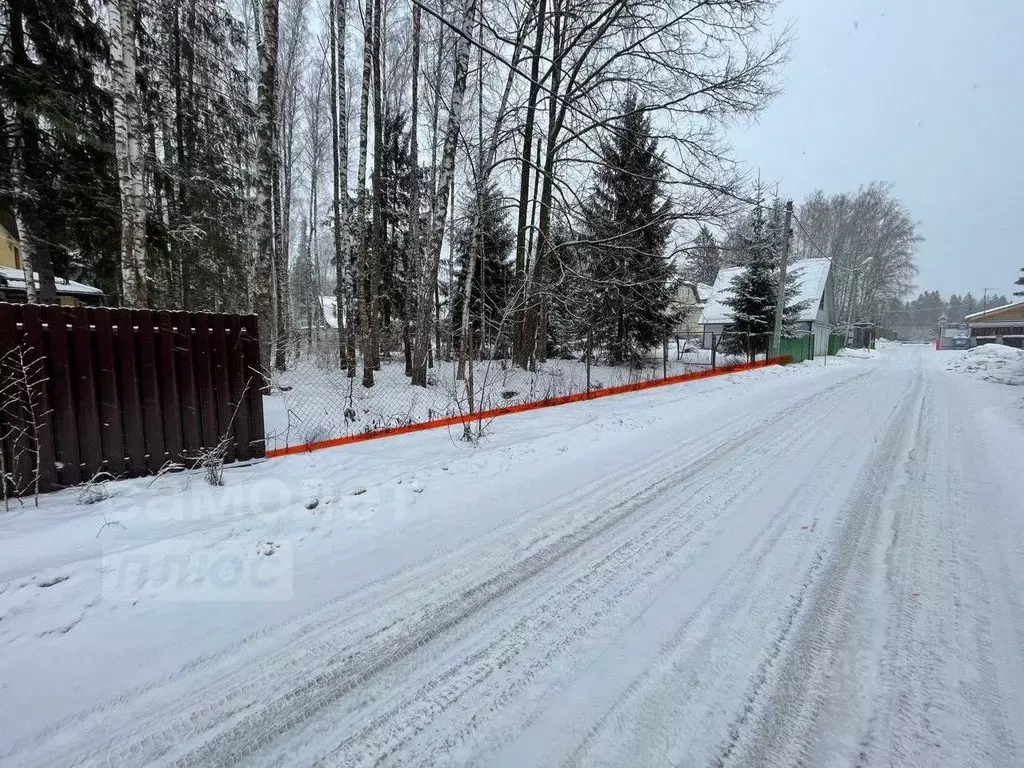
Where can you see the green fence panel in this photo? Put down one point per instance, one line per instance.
(835, 343)
(800, 349)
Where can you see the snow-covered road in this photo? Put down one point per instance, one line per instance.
(820, 566)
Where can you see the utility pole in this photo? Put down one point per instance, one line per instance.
(780, 294)
(984, 302)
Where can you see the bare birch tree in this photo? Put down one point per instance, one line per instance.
(128, 150)
(363, 301)
(262, 279)
(439, 207)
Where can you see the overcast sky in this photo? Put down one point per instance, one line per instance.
(926, 94)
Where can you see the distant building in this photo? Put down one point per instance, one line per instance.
(689, 302)
(69, 292)
(10, 253)
(998, 325)
(814, 289)
(12, 279)
(953, 335)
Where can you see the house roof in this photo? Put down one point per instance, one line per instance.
(811, 278)
(992, 310)
(716, 310)
(704, 291)
(15, 278)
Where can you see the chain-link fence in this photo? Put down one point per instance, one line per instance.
(315, 400)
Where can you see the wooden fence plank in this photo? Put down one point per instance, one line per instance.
(152, 416)
(170, 400)
(127, 390)
(185, 369)
(86, 405)
(35, 340)
(258, 384)
(131, 400)
(62, 398)
(219, 371)
(111, 428)
(239, 394)
(204, 380)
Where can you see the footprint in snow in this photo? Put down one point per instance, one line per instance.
(49, 581)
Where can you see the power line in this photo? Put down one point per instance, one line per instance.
(818, 247)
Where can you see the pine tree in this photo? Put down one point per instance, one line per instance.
(494, 272)
(196, 101)
(393, 175)
(1020, 281)
(305, 293)
(971, 304)
(705, 259)
(57, 183)
(754, 290)
(628, 220)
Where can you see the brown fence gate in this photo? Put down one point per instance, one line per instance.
(86, 390)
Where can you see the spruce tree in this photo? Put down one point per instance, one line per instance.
(494, 273)
(393, 172)
(628, 219)
(53, 108)
(705, 258)
(752, 300)
(1019, 281)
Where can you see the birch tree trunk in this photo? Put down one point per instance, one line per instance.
(18, 192)
(526, 357)
(413, 245)
(339, 163)
(282, 218)
(379, 227)
(363, 307)
(439, 205)
(486, 165)
(263, 263)
(128, 152)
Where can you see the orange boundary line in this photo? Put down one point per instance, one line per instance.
(521, 408)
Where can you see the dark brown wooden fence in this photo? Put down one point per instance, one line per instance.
(123, 391)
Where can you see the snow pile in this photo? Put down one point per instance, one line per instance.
(991, 362)
(860, 354)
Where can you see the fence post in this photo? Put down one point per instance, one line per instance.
(590, 351)
(714, 350)
(664, 358)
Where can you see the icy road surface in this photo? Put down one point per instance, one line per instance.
(819, 566)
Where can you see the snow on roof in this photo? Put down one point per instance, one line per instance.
(15, 278)
(704, 291)
(990, 310)
(330, 307)
(716, 311)
(811, 278)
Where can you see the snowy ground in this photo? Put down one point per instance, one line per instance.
(990, 362)
(821, 565)
(315, 401)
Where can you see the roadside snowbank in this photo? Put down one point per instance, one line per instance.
(991, 362)
(860, 354)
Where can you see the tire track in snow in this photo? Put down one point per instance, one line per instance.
(236, 718)
(639, 557)
(941, 701)
(787, 691)
(286, 713)
(753, 589)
